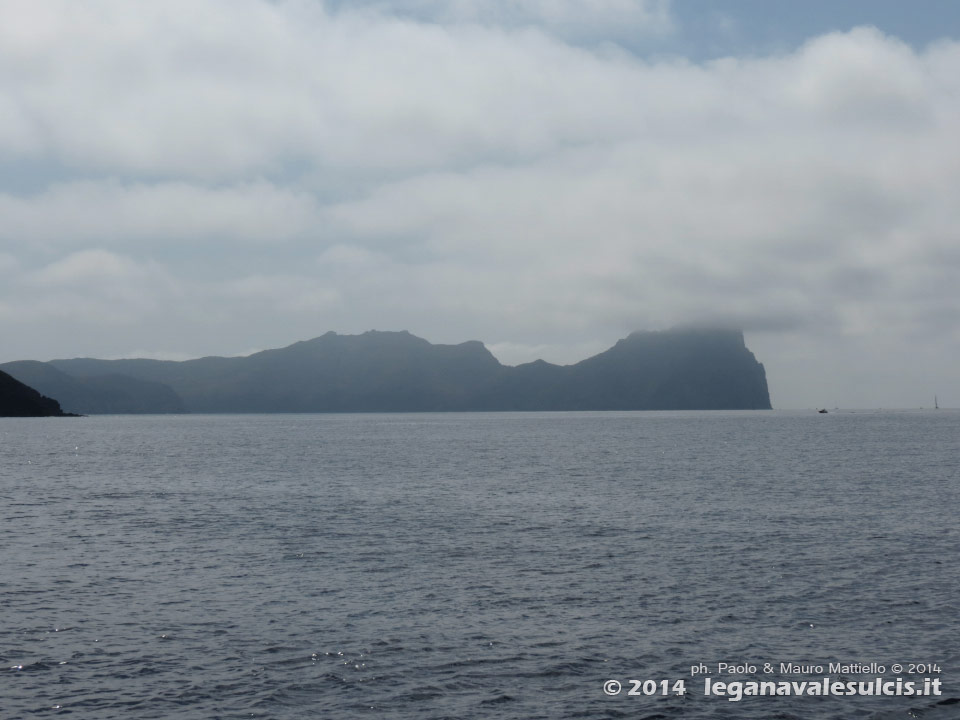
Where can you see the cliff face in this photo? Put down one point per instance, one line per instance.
(398, 372)
(19, 400)
(681, 370)
(670, 370)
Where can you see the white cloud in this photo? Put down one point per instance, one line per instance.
(79, 213)
(279, 293)
(92, 287)
(211, 88)
(8, 263)
(864, 78)
(87, 266)
(468, 170)
(574, 19)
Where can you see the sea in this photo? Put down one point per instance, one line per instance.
(508, 566)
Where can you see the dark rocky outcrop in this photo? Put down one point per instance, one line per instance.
(19, 400)
(398, 372)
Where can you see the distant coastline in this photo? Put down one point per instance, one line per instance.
(681, 369)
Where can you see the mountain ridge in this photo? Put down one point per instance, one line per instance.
(396, 371)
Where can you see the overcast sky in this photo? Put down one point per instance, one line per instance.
(191, 177)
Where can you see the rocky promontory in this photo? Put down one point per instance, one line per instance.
(19, 400)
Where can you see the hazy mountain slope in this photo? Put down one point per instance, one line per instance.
(103, 393)
(396, 371)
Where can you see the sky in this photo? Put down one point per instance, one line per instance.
(181, 178)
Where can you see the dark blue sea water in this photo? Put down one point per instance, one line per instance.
(472, 566)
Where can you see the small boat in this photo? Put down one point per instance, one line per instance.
(822, 411)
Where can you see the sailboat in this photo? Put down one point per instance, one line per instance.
(935, 405)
